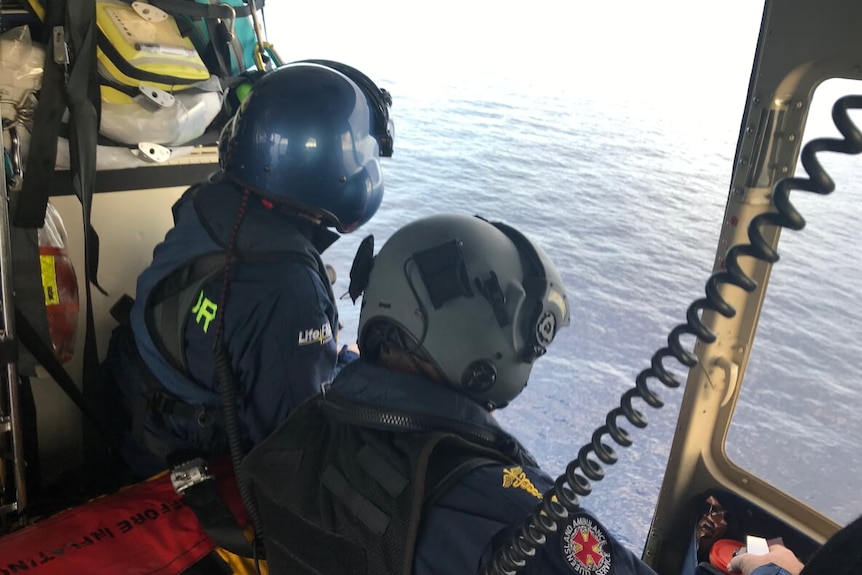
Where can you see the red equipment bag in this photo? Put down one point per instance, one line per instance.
(60, 284)
(145, 529)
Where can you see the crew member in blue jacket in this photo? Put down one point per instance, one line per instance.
(237, 289)
(408, 471)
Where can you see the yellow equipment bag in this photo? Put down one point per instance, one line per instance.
(140, 44)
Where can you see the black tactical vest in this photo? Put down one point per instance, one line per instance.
(341, 486)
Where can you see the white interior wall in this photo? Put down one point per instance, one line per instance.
(129, 225)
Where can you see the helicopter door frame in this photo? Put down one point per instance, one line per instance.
(801, 44)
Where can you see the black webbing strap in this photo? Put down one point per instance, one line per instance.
(438, 484)
(74, 86)
(172, 299)
(362, 508)
(83, 97)
(195, 10)
(216, 519)
(219, 21)
(45, 356)
(159, 401)
(223, 41)
(28, 209)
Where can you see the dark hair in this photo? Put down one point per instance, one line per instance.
(840, 555)
(383, 336)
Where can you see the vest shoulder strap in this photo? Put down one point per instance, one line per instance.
(441, 478)
(171, 300)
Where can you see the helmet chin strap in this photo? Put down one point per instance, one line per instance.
(271, 201)
(309, 217)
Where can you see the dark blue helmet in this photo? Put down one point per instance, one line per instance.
(308, 136)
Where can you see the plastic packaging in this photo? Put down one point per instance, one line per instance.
(21, 64)
(60, 285)
(130, 121)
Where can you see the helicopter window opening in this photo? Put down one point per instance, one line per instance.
(801, 402)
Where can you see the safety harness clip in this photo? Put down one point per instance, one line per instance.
(189, 474)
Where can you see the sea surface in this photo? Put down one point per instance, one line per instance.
(607, 134)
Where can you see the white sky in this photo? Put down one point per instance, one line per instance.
(567, 43)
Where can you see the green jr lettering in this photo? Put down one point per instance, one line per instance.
(204, 310)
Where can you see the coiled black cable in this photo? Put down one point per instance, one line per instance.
(550, 513)
(228, 386)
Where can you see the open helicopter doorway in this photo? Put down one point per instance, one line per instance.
(792, 421)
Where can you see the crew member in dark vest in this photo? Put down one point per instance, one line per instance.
(398, 466)
(240, 272)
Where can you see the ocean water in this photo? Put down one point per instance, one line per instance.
(607, 134)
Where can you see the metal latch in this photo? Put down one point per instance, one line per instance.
(189, 474)
(61, 49)
(155, 98)
(153, 152)
(149, 12)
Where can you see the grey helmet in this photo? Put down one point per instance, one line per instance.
(478, 298)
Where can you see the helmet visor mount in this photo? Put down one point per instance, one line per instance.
(379, 100)
(550, 310)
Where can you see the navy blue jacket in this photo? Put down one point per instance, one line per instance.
(458, 534)
(280, 322)
(770, 569)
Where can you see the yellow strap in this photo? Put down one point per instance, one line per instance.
(242, 565)
(49, 280)
(259, 50)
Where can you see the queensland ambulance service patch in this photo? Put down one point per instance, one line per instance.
(586, 546)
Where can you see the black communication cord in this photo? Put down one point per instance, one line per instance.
(563, 498)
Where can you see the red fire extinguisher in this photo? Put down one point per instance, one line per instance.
(60, 285)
